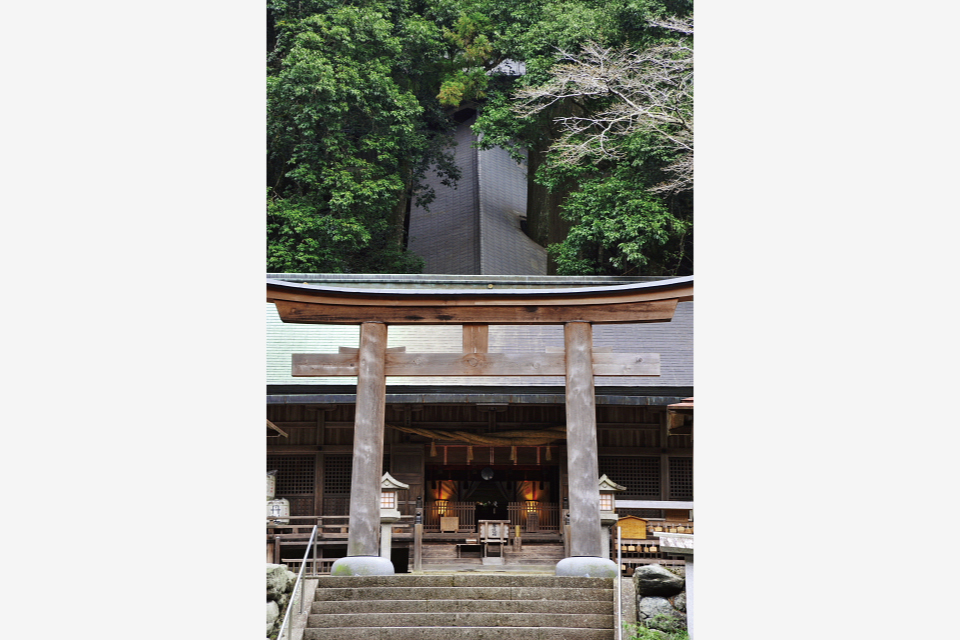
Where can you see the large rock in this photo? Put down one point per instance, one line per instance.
(273, 614)
(278, 580)
(657, 613)
(652, 607)
(654, 580)
(680, 602)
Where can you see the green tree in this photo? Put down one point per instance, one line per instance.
(609, 126)
(353, 124)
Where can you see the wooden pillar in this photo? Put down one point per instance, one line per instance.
(368, 441)
(583, 469)
(418, 547)
(664, 458)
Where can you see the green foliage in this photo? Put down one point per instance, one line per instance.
(352, 126)
(673, 631)
(360, 94)
(619, 226)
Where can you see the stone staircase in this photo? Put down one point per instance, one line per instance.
(461, 606)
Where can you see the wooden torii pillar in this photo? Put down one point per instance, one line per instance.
(575, 308)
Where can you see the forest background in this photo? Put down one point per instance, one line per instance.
(361, 97)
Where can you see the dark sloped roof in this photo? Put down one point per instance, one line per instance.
(475, 228)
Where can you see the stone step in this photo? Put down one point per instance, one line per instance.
(461, 580)
(461, 619)
(464, 606)
(460, 633)
(511, 569)
(475, 593)
(511, 559)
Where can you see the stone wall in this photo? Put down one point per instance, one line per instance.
(661, 598)
(280, 583)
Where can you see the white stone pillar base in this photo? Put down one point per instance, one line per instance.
(587, 567)
(362, 566)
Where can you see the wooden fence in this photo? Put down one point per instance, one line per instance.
(534, 517)
(465, 512)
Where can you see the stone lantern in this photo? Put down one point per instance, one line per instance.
(389, 513)
(608, 505)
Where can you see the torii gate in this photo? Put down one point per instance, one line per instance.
(578, 309)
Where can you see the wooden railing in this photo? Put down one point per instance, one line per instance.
(315, 566)
(465, 512)
(328, 526)
(534, 517)
(531, 517)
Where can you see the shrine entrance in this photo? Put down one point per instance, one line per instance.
(527, 496)
(576, 309)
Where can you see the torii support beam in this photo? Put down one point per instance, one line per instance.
(363, 552)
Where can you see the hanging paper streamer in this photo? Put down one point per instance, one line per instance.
(513, 453)
(469, 454)
(548, 454)
(433, 449)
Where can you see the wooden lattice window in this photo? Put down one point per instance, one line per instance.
(337, 470)
(337, 474)
(295, 474)
(681, 479)
(640, 475)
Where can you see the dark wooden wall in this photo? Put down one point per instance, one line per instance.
(633, 442)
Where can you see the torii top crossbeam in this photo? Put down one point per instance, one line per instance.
(642, 302)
